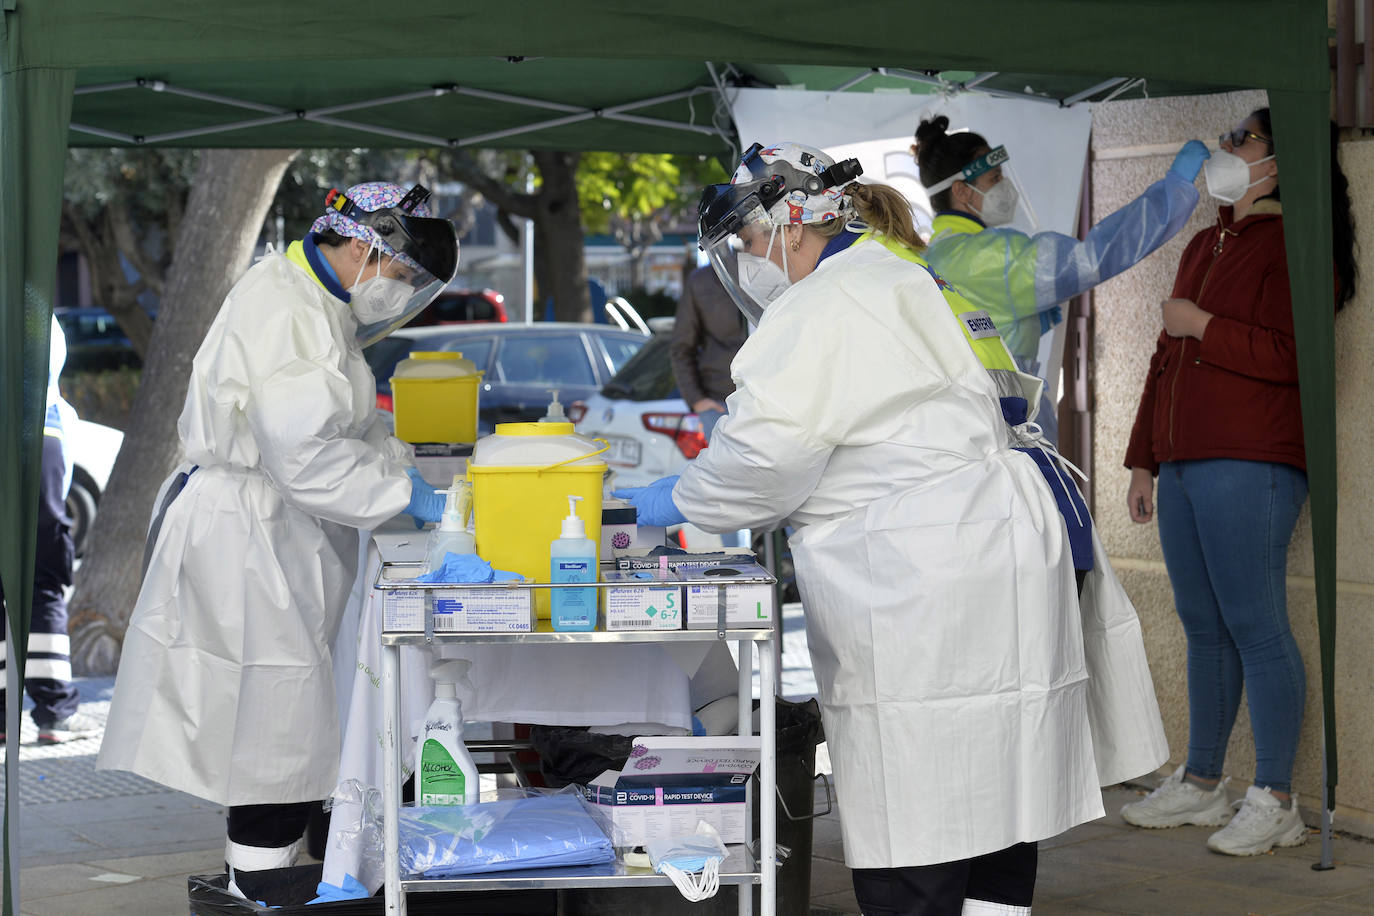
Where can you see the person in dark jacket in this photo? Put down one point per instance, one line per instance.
(1220, 423)
(707, 333)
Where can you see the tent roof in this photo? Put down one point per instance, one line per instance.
(583, 59)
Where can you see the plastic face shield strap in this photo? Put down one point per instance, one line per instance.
(984, 163)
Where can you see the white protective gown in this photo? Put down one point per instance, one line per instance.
(932, 561)
(225, 685)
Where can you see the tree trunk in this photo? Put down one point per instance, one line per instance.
(560, 263)
(231, 192)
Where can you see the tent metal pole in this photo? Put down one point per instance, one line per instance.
(160, 86)
(105, 87)
(977, 80)
(659, 122)
(1093, 90)
(1126, 87)
(217, 129)
(515, 131)
(1325, 863)
(515, 99)
(427, 139)
(385, 100)
(657, 100)
(935, 81)
(14, 713)
(101, 132)
(851, 83)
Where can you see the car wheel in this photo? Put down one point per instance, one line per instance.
(81, 507)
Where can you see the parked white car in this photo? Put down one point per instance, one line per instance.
(93, 449)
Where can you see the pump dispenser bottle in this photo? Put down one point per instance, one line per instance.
(572, 558)
(447, 774)
(452, 535)
(555, 413)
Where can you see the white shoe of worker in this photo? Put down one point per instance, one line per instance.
(76, 726)
(1177, 802)
(1261, 824)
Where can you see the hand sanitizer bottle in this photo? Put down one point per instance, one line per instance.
(572, 558)
(452, 535)
(555, 413)
(447, 774)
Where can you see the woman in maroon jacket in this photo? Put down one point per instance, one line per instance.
(1221, 425)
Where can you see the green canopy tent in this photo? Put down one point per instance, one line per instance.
(608, 75)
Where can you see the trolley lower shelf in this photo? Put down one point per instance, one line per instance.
(739, 867)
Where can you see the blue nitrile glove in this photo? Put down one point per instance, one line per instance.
(352, 890)
(1050, 317)
(1189, 160)
(426, 503)
(654, 504)
(466, 568)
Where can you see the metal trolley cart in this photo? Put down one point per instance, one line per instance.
(742, 867)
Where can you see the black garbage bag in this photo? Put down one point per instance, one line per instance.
(291, 889)
(570, 754)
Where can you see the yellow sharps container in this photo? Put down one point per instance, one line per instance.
(522, 476)
(434, 397)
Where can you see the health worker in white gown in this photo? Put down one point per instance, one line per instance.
(933, 562)
(225, 688)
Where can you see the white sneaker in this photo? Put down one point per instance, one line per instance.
(1177, 802)
(1261, 824)
(77, 725)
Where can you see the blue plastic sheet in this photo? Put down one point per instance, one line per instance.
(544, 831)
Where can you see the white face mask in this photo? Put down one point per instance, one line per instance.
(999, 203)
(379, 299)
(1228, 176)
(762, 278)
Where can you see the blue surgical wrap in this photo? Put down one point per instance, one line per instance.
(542, 831)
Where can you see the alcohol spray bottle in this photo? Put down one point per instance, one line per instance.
(447, 774)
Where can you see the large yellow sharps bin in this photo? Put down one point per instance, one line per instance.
(521, 478)
(434, 397)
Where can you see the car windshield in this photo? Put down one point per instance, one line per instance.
(544, 359)
(619, 350)
(646, 376)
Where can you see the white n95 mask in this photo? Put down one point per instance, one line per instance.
(1228, 176)
(379, 299)
(761, 278)
(999, 203)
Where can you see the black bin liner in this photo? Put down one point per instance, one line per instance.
(294, 887)
(570, 754)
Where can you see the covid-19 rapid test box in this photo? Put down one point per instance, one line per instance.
(668, 784)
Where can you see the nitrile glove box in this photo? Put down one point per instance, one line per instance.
(746, 606)
(646, 601)
(456, 609)
(668, 784)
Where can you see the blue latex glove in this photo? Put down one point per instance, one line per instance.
(1189, 160)
(352, 890)
(426, 503)
(654, 504)
(1050, 317)
(467, 568)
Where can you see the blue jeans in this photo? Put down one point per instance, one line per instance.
(1225, 525)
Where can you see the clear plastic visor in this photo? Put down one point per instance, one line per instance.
(403, 282)
(723, 256)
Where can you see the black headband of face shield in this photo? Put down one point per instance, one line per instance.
(429, 241)
(724, 206)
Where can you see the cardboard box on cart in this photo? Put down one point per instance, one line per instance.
(746, 606)
(457, 609)
(668, 784)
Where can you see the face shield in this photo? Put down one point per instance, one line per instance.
(770, 191)
(411, 260)
(1006, 202)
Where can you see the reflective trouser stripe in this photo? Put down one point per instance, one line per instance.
(51, 643)
(988, 908)
(257, 858)
(53, 669)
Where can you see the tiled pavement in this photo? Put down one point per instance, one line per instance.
(99, 843)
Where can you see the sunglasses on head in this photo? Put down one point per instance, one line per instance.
(1239, 135)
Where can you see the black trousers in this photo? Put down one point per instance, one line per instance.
(269, 826)
(1006, 877)
(48, 671)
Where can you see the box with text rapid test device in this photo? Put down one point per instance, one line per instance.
(668, 784)
(456, 609)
